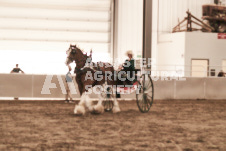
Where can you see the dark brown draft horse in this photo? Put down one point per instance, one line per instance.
(87, 79)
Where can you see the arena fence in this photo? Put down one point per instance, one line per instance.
(26, 86)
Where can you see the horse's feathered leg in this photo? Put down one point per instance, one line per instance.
(116, 108)
(80, 108)
(98, 108)
(89, 103)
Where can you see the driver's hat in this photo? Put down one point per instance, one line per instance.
(129, 52)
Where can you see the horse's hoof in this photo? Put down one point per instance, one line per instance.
(90, 109)
(116, 110)
(79, 110)
(98, 109)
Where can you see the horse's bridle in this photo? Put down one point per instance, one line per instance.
(70, 58)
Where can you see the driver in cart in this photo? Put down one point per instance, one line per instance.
(129, 68)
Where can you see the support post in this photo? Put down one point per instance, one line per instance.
(147, 29)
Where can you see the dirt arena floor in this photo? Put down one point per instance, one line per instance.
(170, 125)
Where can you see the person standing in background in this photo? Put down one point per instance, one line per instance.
(17, 69)
(69, 84)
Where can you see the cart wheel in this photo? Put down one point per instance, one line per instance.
(108, 103)
(222, 28)
(145, 93)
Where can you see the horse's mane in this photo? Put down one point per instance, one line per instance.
(80, 48)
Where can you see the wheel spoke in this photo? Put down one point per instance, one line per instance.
(146, 103)
(148, 91)
(150, 96)
(140, 97)
(143, 80)
(143, 106)
(147, 84)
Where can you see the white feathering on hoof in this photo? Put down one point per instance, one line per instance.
(79, 110)
(98, 109)
(89, 104)
(116, 109)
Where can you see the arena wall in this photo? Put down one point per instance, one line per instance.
(37, 86)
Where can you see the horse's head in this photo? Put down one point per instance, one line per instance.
(71, 54)
(74, 53)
